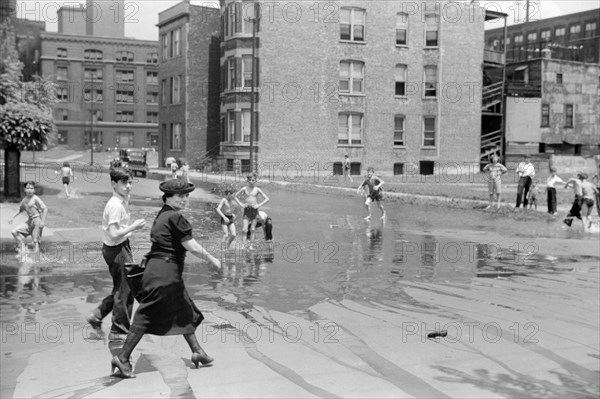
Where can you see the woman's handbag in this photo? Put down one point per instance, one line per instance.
(135, 272)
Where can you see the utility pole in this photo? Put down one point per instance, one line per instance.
(252, 90)
(527, 11)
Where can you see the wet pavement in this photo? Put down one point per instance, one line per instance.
(334, 307)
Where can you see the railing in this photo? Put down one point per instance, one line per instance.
(493, 56)
(522, 89)
(492, 94)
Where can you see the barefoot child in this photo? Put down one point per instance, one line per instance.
(250, 206)
(227, 218)
(494, 171)
(67, 176)
(36, 212)
(374, 184)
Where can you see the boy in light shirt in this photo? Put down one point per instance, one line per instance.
(551, 190)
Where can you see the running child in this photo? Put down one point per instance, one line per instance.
(227, 218)
(36, 212)
(67, 176)
(250, 205)
(374, 184)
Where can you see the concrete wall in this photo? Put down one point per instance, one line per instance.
(523, 119)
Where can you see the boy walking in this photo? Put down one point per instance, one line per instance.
(116, 230)
(346, 165)
(494, 171)
(67, 176)
(36, 212)
(374, 184)
(250, 206)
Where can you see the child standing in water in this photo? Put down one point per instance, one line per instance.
(250, 205)
(227, 218)
(36, 212)
(374, 184)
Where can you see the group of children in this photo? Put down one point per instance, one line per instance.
(586, 194)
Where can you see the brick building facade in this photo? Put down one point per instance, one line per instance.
(395, 85)
(189, 83)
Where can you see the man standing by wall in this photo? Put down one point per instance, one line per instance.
(526, 172)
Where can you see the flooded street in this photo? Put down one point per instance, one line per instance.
(325, 255)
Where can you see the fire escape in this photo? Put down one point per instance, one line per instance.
(493, 92)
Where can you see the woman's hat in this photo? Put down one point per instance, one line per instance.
(176, 186)
(582, 175)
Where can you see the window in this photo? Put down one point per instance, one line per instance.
(231, 126)
(574, 32)
(175, 90)
(401, 28)
(152, 117)
(246, 126)
(531, 37)
(64, 115)
(426, 167)
(545, 115)
(92, 73)
(92, 55)
(124, 96)
(568, 115)
(124, 76)
(559, 78)
(399, 168)
(350, 128)
(247, 70)
(96, 137)
(590, 29)
(431, 30)
(400, 76)
(231, 73)
(351, 77)
(124, 139)
(176, 136)
(152, 58)
(559, 33)
(88, 92)
(63, 137)
(62, 94)
(152, 97)
(430, 81)
(62, 73)
(245, 164)
(230, 19)
(545, 35)
(248, 14)
(229, 166)
(165, 91)
(352, 24)
(124, 116)
(399, 130)
(124, 56)
(165, 46)
(152, 78)
(518, 40)
(429, 131)
(61, 52)
(98, 115)
(177, 42)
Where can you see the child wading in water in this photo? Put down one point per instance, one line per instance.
(250, 206)
(36, 212)
(227, 218)
(374, 184)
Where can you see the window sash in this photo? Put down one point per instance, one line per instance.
(430, 82)
(350, 128)
(176, 136)
(568, 115)
(431, 30)
(545, 115)
(429, 132)
(398, 130)
(400, 76)
(247, 70)
(351, 77)
(352, 24)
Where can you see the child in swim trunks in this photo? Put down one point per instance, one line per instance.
(250, 206)
(227, 218)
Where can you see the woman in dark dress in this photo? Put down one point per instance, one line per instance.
(165, 306)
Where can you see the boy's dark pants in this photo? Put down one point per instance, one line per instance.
(551, 199)
(522, 190)
(120, 300)
(575, 211)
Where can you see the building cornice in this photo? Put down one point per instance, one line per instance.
(98, 125)
(62, 37)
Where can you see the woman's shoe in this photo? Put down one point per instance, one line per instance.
(201, 357)
(124, 368)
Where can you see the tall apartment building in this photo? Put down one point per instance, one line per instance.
(188, 74)
(394, 84)
(107, 84)
(573, 37)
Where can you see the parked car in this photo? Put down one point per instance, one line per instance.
(134, 159)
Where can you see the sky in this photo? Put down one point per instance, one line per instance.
(141, 16)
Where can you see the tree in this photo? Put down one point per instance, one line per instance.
(26, 120)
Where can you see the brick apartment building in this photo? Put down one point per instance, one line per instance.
(393, 84)
(189, 83)
(105, 80)
(573, 37)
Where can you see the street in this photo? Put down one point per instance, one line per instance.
(333, 307)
